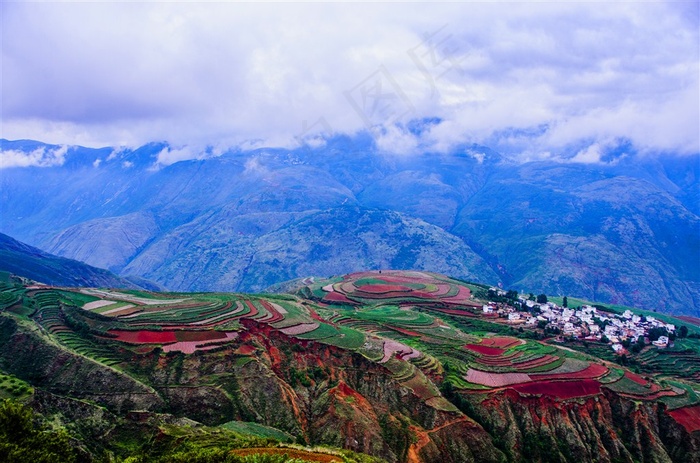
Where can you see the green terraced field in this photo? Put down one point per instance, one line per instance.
(258, 430)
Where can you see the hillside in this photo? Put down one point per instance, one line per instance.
(625, 232)
(403, 366)
(29, 262)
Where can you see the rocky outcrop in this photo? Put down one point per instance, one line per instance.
(601, 428)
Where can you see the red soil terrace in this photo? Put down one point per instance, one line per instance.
(688, 417)
(485, 350)
(560, 389)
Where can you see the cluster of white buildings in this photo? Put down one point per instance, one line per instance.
(585, 323)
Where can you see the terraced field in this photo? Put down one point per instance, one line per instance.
(397, 287)
(423, 328)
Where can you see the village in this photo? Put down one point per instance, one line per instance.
(586, 323)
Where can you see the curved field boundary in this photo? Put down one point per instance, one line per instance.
(486, 378)
(338, 297)
(569, 366)
(463, 295)
(485, 350)
(559, 389)
(124, 311)
(504, 342)
(219, 318)
(594, 371)
(97, 304)
(129, 297)
(535, 363)
(301, 328)
(636, 378)
(274, 315)
(144, 336)
(383, 289)
(189, 347)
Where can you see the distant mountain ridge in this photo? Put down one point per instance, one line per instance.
(26, 261)
(625, 232)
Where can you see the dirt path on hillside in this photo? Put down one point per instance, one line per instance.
(424, 439)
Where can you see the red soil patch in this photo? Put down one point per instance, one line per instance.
(692, 320)
(276, 316)
(636, 378)
(245, 349)
(593, 371)
(253, 310)
(405, 331)
(198, 336)
(144, 336)
(688, 417)
(318, 318)
(560, 389)
(484, 350)
(462, 296)
(381, 289)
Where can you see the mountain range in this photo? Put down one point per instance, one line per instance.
(624, 231)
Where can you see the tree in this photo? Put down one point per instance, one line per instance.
(683, 332)
(22, 440)
(542, 299)
(565, 303)
(657, 332)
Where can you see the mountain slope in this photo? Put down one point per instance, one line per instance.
(29, 262)
(251, 252)
(626, 231)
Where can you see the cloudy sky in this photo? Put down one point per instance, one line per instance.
(534, 78)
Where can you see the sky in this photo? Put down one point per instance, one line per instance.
(537, 80)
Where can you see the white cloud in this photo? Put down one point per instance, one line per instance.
(40, 157)
(249, 75)
(170, 155)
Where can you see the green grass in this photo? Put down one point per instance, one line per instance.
(323, 332)
(258, 430)
(14, 388)
(347, 338)
(77, 299)
(690, 397)
(614, 375)
(393, 315)
(627, 386)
